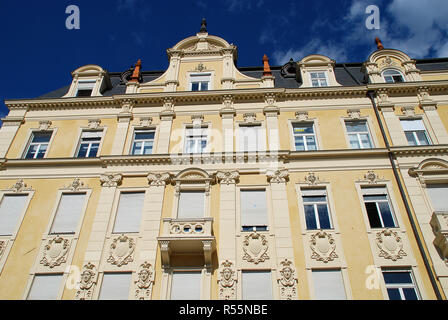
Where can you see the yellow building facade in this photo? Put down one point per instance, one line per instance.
(312, 180)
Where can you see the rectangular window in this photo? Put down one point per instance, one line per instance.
(186, 285)
(250, 138)
(45, 287)
(317, 213)
(415, 132)
(115, 286)
(38, 145)
(143, 142)
(191, 205)
(85, 88)
(358, 134)
(257, 285)
(129, 212)
(328, 285)
(304, 137)
(400, 285)
(438, 194)
(318, 79)
(195, 139)
(89, 144)
(11, 209)
(254, 215)
(376, 201)
(68, 213)
(200, 82)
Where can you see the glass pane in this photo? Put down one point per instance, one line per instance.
(374, 197)
(195, 86)
(397, 277)
(315, 83)
(137, 148)
(356, 126)
(311, 143)
(422, 138)
(365, 140)
(83, 150)
(315, 199)
(310, 217)
(410, 294)
(144, 135)
(204, 86)
(372, 212)
(394, 294)
(303, 128)
(94, 150)
(410, 137)
(386, 214)
(300, 145)
(41, 136)
(42, 150)
(203, 145)
(31, 152)
(323, 82)
(324, 217)
(354, 143)
(148, 147)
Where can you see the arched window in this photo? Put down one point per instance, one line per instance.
(392, 76)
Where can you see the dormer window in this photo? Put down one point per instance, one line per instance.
(319, 79)
(392, 76)
(85, 88)
(200, 82)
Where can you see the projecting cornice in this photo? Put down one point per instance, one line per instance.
(441, 149)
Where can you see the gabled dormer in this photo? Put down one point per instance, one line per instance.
(390, 66)
(317, 71)
(201, 63)
(89, 81)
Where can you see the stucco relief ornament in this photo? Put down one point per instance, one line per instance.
(354, 113)
(255, 247)
(372, 177)
(145, 122)
(227, 281)
(311, 179)
(111, 180)
(121, 251)
(75, 185)
(277, 176)
(408, 111)
(44, 125)
(323, 247)
(144, 282)
(88, 279)
(2, 246)
(390, 245)
(227, 177)
(94, 123)
(302, 115)
(287, 281)
(158, 179)
(20, 186)
(249, 117)
(55, 252)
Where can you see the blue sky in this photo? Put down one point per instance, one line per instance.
(38, 52)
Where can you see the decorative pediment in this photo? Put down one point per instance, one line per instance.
(193, 175)
(430, 166)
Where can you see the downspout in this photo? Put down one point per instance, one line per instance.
(432, 276)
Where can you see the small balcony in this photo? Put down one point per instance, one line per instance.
(439, 223)
(187, 237)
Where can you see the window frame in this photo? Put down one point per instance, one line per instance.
(209, 74)
(319, 78)
(369, 132)
(168, 281)
(316, 213)
(415, 284)
(380, 216)
(255, 228)
(100, 284)
(85, 81)
(203, 126)
(261, 145)
(137, 130)
(426, 131)
(274, 286)
(395, 70)
(31, 282)
(344, 275)
(294, 135)
(103, 133)
(30, 142)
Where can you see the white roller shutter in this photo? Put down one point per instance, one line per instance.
(191, 205)
(328, 285)
(68, 213)
(129, 213)
(413, 125)
(257, 285)
(186, 286)
(11, 209)
(45, 287)
(253, 208)
(115, 286)
(439, 196)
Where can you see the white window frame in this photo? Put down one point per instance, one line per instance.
(30, 142)
(369, 132)
(90, 144)
(91, 86)
(426, 131)
(168, 279)
(101, 278)
(392, 69)
(130, 137)
(415, 282)
(203, 126)
(319, 78)
(274, 286)
(133, 140)
(345, 280)
(388, 200)
(61, 285)
(254, 228)
(208, 74)
(261, 145)
(316, 214)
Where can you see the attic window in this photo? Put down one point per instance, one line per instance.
(392, 76)
(85, 88)
(319, 79)
(200, 81)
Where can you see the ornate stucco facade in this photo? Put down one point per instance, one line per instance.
(328, 132)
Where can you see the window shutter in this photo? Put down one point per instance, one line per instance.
(11, 209)
(115, 286)
(413, 125)
(92, 134)
(68, 213)
(86, 85)
(186, 286)
(372, 191)
(251, 138)
(438, 194)
(191, 205)
(253, 208)
(257, 285)
(45, 287)
(328, 285)
(129, 212)
(314, 192)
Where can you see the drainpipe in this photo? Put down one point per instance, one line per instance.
(432, 276)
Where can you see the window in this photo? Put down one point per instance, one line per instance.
(191, 205)
(11, 209)
(250, 138)
(415, 132)
(304, 137)
(200, 82)
(38, 145)
(195, 139)
(115, 286)
(143, 142)
(257, 285)
(438, 193)
(129, 212)
(392, 76)
(358, 134)
(45, 287)
(68, 213)
(186, 285)
(318, 79)
(400, 285)
(254, 215)
(85, 88)
(317, 214)
(378, 208)
(328, 285)
(90, 143)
